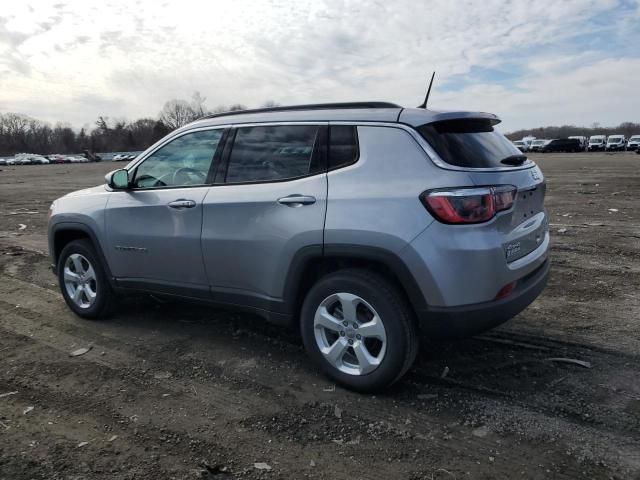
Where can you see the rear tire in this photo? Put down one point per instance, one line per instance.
(83, 281)
(359, 329)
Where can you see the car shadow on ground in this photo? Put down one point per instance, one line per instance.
(492, 363)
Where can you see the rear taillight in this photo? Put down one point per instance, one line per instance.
(468, 205)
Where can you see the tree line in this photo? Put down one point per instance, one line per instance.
(626, 128)
(21, 133)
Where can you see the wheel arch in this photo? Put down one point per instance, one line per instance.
(311, 264)
(62, 234)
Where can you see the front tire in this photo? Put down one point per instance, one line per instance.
(359, 329)
(83, 281)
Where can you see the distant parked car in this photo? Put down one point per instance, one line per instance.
(597, 143)
(520, 145)
(616, 142)
(634, 143)
(29, 159)
(39, 160)
(3, 162)
(121, 157)
(90, 156)
(22, 159)
(538, 145)
(57, 158)
(562, 145)
(527, 141)
(582, 139)
(77, 159)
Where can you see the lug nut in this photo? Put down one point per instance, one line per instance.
(355, 325)
(350, 342)
(342, 333)
(358, 336)
(345, 323)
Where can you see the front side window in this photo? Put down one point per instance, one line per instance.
(271, 153)
(184, 161)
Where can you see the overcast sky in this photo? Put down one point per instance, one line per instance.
(533, 63)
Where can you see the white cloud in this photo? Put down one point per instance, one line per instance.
(77, 60)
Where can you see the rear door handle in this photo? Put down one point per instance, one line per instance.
(181, 203)
(296, 200)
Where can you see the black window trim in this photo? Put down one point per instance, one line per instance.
(320, 148)
(212, 168)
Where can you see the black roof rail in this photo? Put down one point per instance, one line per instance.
(312, 106)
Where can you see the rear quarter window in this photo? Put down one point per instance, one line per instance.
(343, 145)
(469, 143)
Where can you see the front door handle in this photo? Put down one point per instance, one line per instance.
(296, 200)
(181, 203)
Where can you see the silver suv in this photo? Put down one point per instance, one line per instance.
(364, 224)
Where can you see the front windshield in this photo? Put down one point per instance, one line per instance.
(615, 140)
(596, 140)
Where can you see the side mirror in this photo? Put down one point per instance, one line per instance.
(118, 179)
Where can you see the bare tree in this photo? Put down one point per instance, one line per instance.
(270, 104)
(177, 113)
(197, 104)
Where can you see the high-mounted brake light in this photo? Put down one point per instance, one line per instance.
(468, 205)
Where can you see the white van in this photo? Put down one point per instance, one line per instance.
(634, 143)
(616, 142)
(597, 143)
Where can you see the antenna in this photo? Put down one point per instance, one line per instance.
(426, 99)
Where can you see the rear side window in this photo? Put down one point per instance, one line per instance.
(271, 153)
(343, 145)
(469, 143)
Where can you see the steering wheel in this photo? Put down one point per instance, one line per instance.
(187, 171)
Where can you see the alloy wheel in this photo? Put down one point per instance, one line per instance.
(80, 280)
(350, 334)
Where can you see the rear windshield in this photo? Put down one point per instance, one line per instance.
(470, 143)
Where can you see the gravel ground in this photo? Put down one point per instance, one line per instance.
(175, 391)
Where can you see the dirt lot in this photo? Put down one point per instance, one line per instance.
(177, 391)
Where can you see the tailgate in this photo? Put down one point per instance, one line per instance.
(525, 225)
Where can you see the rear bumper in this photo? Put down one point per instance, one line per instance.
(467, 320)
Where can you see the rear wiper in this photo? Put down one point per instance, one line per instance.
(514, 160)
